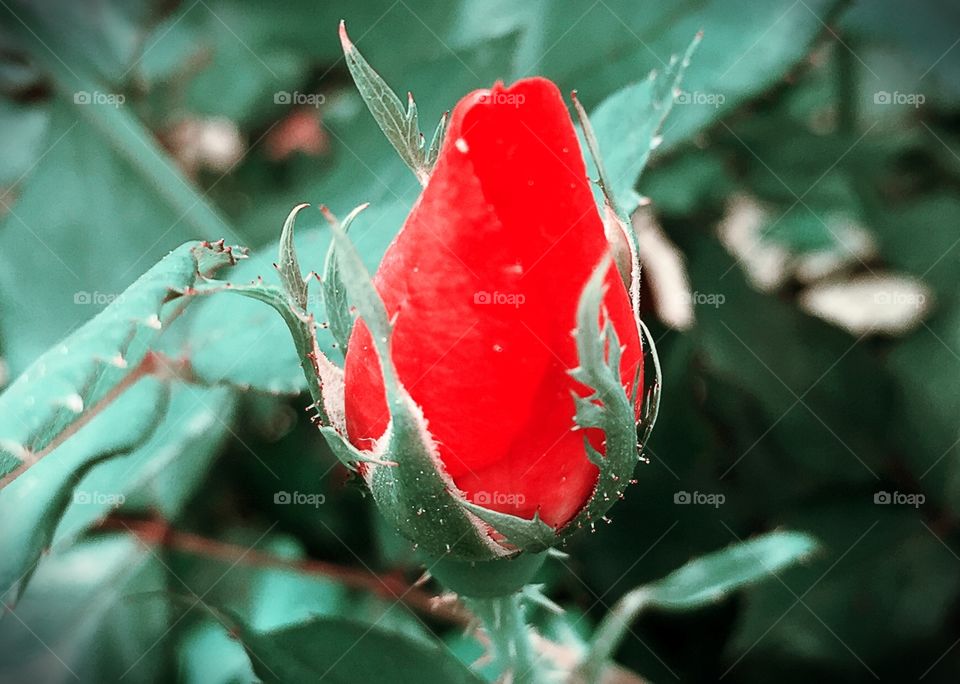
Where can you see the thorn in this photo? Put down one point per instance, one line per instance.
(327, 214)
(344, 38)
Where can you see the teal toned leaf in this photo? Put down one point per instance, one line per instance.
(700, 582)
(339, 650)
(38, 499)
(710, 578)
(626, 129)
(65, 385)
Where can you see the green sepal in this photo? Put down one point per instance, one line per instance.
(398, 124)
(536, 595)
(290, 275)
(487, 578)
(651, 402)
(438, 135)
(608, 407)
(414, 494)
(530, 535)
(335, 300)
(301, 325)
(346, 453)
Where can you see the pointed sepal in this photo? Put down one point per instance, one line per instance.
(335, 301)
(291, 277)
(607, 406)
(530, 535)
(398, 124)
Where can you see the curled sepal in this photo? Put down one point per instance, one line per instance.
(415, 494)
(289, 268)
(530, 535)
(335, 300)
(608, 407)
(651, 402)
(346, 453)
(324, 379)
(398, 124)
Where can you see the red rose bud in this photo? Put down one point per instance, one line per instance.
(485, 288)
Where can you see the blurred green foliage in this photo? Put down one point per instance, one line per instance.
(129, 128)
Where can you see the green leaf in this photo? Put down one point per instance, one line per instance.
(22, 132)
(700, 582)
(125, 181)
(168, 464)
(207, 653)
(104, 39)
(627, 125)
(86, 613)
(340, 650)
(63, 388)
(38, 499)
(747, 48)
(97, 395)
(710, 578)
(855, 589)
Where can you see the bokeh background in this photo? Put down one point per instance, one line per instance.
(801, 249)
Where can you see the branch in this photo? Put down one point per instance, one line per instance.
(158, 533)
